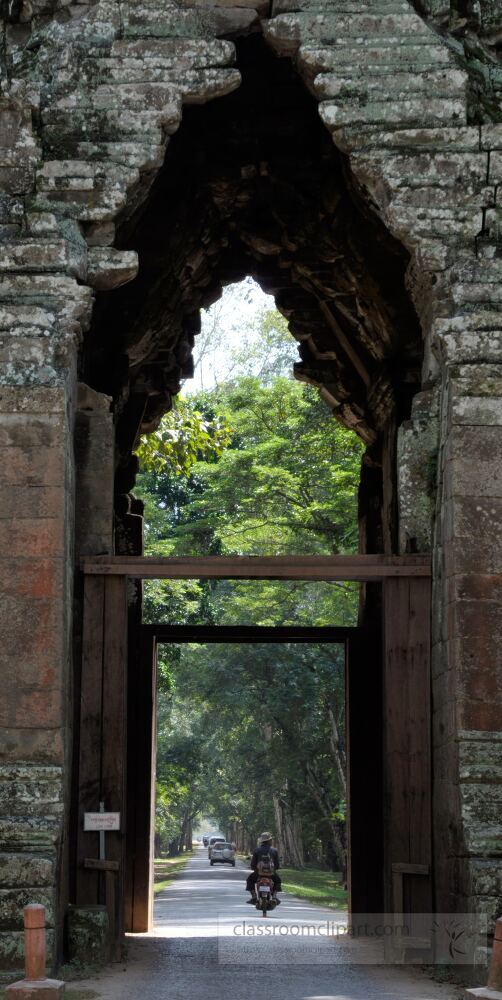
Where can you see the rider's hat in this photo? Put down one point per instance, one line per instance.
(265, 837)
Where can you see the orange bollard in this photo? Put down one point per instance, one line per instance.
(495, 975)
(34, 941)
(35, 986)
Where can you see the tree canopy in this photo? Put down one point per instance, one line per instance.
(253, 735)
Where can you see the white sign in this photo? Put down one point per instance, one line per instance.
(101, 821)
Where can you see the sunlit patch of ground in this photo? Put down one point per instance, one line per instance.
(166, 868)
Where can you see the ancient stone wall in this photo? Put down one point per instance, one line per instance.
(91, 95)
(435, 179)
(76, 141)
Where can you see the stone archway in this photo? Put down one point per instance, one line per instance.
(252, 184)
(87, 113)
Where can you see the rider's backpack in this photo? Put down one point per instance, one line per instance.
(265, 865)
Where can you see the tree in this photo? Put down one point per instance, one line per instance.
(285, 483)
(183, 437)
(264, 723)
(287, 480)
(254, 735)
(242, 335)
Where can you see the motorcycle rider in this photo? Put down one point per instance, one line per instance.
(264, 851)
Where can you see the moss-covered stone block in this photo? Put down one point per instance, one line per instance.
(88, 935)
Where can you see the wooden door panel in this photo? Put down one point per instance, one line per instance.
(407, 744)
(102, 743)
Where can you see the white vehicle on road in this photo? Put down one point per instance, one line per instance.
(223, 852)
(214, 839)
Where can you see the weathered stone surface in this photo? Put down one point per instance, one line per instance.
(31, 807)
(26, 871)
(35, 790)
(100, 234)
(88, 932)
(405, 112)
(36, 744)
(12, 902)
(108, 268)
(91, 192)
(19, 150)
(27, 834)
(474, 462)
(12, 951)
(418, 441)
(442, 83)
(95, 468)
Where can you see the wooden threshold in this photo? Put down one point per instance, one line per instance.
(361, 568)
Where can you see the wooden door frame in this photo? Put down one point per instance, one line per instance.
(409, 572)
(139, 881)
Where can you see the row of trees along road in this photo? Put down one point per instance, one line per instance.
(252, 735)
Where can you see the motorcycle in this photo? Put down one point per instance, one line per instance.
(265, 898)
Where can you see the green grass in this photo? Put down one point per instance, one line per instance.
(166, 870)
(316, 886)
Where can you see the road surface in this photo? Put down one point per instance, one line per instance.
(209, 944)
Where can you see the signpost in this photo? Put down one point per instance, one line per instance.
(104, 822)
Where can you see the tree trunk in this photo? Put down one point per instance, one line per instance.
(188, 835)
(289, 836)
(338, 750)
(326, 811)
(183, 833)
(174, 847)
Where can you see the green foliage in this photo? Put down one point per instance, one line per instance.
(181, 766)
(183, 437)
(286, 481)
(236, 341)
(251, 724)
(254, 466)
(268, 352)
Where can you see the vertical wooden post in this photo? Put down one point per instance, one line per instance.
(102, 755)
(407, 744)
(141, 786)
(363, 721)
(114, 753)
(90, 740)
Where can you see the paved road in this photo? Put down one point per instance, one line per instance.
(208, 944)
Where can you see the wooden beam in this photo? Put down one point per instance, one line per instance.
(360, 568)
(98, 865)
(345, 343)
(247, 633)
